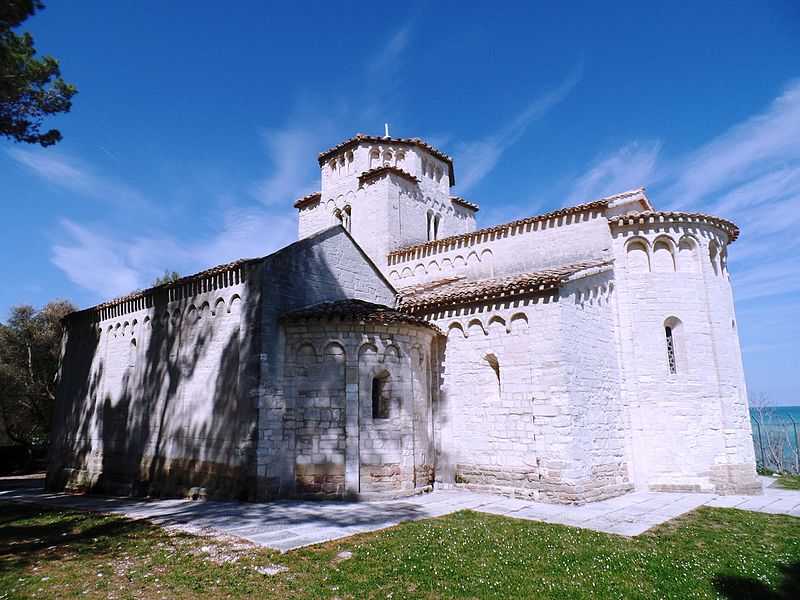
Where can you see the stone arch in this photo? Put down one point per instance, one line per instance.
(391, 351)
(713, 256)
(235, 304)
(420, 270)
(494, 364)
(433, 267)
(367, 348)
(335, 351)
(191, 315)
(407, 272)
(459, 261)
(663, 255)
(487, 262)
(306, 349)
(475, 326)
(219, 306)
(447, 264)
(453, 327)
(687, 254)
(146, 323)
(638, 255)
(519, 322)
(497, 323)
(203, 311)
(374, 158)
(394, 274)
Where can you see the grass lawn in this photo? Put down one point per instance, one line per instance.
(709, 553)
(789, 482)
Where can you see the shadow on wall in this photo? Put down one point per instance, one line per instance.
(161, 410)
(178, 404)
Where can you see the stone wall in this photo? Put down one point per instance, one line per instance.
(689, 426)
(150, 393)
(574, 238)
(179, 390)
(340, 446)
(328, 266)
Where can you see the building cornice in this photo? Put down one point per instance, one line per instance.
(650, 218)
(360, 138)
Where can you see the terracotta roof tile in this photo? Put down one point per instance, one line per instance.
(463, 202)
(378, 171)
(676, 217)
(455, 291)
(354, 310)
(370, 139)
(307, 199)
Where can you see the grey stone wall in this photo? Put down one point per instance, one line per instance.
(338, 446)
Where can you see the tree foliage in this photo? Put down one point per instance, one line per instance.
(30, 89)
(30, 345)
(167, 277)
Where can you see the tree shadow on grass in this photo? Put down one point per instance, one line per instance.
(746, 588)
(25, 541)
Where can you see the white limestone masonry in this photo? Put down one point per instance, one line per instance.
(566, 357)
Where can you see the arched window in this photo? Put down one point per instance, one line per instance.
(673, 365)
(346, 216)
(337, 214)
(132, 354)
(380, 401)
(436, 220)
(675, 346)
(429, 225)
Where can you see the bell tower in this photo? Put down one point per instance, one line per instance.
(388, 192)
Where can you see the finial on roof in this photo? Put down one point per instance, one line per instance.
(386, 128)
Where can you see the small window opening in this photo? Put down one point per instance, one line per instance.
(673, 367)
(436, 220)
(380, 404)
(346, 217)
(495, 365)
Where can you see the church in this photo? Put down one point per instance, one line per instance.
(396, 348)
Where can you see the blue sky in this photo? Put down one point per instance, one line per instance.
(196, 126)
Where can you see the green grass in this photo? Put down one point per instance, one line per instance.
(789, 482)
(709, 553)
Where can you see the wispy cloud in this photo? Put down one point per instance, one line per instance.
(291, 171)
(477, 159)
(631, 166)
(72, 175)
(759, 145)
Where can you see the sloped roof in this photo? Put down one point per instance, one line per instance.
(456, 290)
(649, 217)
(300, 202)
(378, 171)
(354, 310)
(372, 139)
(463, 202)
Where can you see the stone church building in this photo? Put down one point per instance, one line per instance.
(565, 357)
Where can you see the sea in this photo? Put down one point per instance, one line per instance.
(777, 422)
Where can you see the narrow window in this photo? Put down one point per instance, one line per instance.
(436, 220)
(380, 408)
(673, 367)
(429, 227)
(346, 214)
(495, 366)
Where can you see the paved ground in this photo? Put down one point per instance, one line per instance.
(288, 524)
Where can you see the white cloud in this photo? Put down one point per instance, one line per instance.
(70, 174)
(293, 172)
(632, 166)
(477, 159)
(759, 145)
